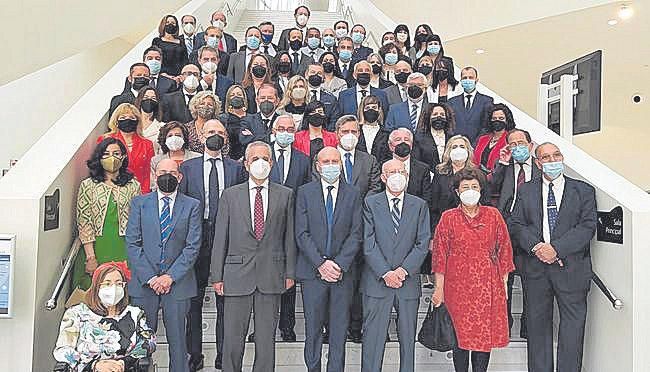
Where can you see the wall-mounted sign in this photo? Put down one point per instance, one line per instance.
(51, 218)
(610, 226)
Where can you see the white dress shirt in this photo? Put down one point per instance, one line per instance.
(432, 96)
(161, 203)
(283, 81)
(369, 134)
(265, 198)
(471, 95)
(359, 94)
(207, 167)
(348, 64)
(287, 157)
(343, 151)
(271, 49)
(528, 174)
(335, 192)
(186, 94)
(558, 191)
(310, 90)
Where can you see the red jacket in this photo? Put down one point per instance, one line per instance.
(302, 142)
(482, 143)
(139, 158)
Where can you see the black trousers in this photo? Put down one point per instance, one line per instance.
(356, 307)
(480, 360)
(288, 310)
(511, 279)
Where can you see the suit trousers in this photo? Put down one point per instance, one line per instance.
(356, 308)
(324, 301)
(572, 305)
(237, 314)
(288, 310)
(174, 314)
(376, 316)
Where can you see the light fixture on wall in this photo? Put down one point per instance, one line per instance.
(625, 12)
(612, 22)
(480, 51)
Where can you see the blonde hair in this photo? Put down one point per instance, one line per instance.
(445, 165)
(123, 109)
(199, 98)
(229, 99)
(291, 85)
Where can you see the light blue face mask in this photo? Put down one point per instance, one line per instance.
(330, 172)
(468, 85)
(520, 153)
(284, 139)
(357, 37)
(433, 49)
(313, 42)
(553, 170)
(154, 66)
(345, 55)
(212, 41)
(391, 58)
(329, 40)
(253, 42)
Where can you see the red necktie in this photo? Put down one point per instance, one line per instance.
(521, 176)
(221, 48)
(259, 214)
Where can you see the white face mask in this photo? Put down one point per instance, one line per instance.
(341, 32)
(174, 143)
(458, 154)
(191, 82)
(209, 67)
(396, 182)
(349, 142)
(111, 295)
(298, 93)
(219, 24)
(188, 28)
(260, 169)
(301, 19)
(401, 37)
(470, 197)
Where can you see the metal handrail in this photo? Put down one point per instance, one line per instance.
(72, 255)
(617, 303)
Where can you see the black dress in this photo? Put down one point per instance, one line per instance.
(174, 56)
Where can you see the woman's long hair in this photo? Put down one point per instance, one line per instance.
(95, 166)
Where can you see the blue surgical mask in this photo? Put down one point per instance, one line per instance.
(433, 49)
(252, 42)
(520, 153)
(553, 170)
(267, 38)
(330, 172)
(284, 139)
(313, 42)
(212, 41)
(391, 58)
(468, 85)
(357, 37)
(328, 40)
(345, 55)
(154, 66)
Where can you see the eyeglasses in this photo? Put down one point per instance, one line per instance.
(390, 173)
(108, 284)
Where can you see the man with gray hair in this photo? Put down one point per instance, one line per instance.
(407, 114)
(253, 258)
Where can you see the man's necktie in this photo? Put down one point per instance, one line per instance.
(189, 43)
(551, 209)
(153, 81)
(165, 229)
(521, 176)
(281, 165)
(189, 98)
(266, 49)
(395, 214)
(403, 94)
(468, 104)
(213, 186)
(344, 71)
(259, 214)
(314, 97)
(348, 168)
(222, 47)
(266, 123)
(329, 209)
(414, 117)
(364, 93)
(296, 62)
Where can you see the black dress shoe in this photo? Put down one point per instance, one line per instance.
(354, 336)
(251, 337)
(217, 363)
(523, 331)
(288, 335)
(196, 362)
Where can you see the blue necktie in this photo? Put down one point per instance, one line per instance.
(165, 229)
(281, 165)
(395, 214)
(329, 209)
(348, 168)
(414, 117)
(551, 209)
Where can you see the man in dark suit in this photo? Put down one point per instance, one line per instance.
(258, 127)
(515, 167)
(163, 238)
(360, 52)
(315, 78)
(397, 93)
(227, 43)
(409, 113)
(152, 57)
(400, 143)
(267, 29)
(212, 36)
(396, 241)
(211, 78)
(204, 179)
(239, 61)
(328, 236)
(349, 98)
(188, 26)
(553, 222)
(301, 14)
(253, 258)
(175, 105)
(138, 78)
(299, 60)
(344, 51)
(471, 107)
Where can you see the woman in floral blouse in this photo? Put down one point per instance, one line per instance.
(105, 333)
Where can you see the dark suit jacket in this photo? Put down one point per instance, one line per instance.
(366, 174)
(470, 124)
(425, 149)
(260, 132)
(299, 170)
(503, 181)
(383, 84)
(379, 149)
(361, 53)
(311, 229)
(283, 41)
(393, 94)
(348, 104)
(231, 42)
(174, 107)
(331, 108)
(305, 61)
(399, 116)
(420, 181)
(125, 97)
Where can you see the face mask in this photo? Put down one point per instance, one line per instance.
(370, 115)
(259, 71)
(219, 24)
(127, 125)
(191, 83)
(401, 77)
(316, 120)
(205, 112)
(174, 143)
(209, 67)
(140, 82)
(329, 40)
(167, 183)
(284, 67)
(188, 28)
(237, 102)
(553, 170)
(284, 139)
(357, 37)
(171, 29)
(298, 93)
(214, 142)
(111, 295)
(315, 81)
(403, 150)
(328, 67)
(439, 123)
(330, 172)
(468, 85)
(345, 55)
(388, 41)
(212, 41)
(363, 78)
(470, 197)
(154, 66)
(267, 38)
(148, 106)
(497, 125)
(425, 69)
(520, 153)
(313, 42)
(458, 154)
(401, 37)
(442, 75)
(396, 182)
(414, 92)
(111, 164)
(341, 32)
(295, 45)
(349, 142)
(267, 108)
(433, 49)
(301, 19)
(376, 69)
(260, 169)
(391, 58)
(252, 42)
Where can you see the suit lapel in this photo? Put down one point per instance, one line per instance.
(273, 204)
(383, 205)
(356, 167)
(340, 196)
(539, 208)
(246, 208)
(407, 215)
(177, 211)
(151, 207)
(565, 207)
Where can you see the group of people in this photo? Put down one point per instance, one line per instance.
(319, 162)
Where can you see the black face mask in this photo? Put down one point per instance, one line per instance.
(214, 142)
(295, 45)
(328, 67)
(267, 107)
(420, 38)
(363, 78)
(149, 106)
(376, 69)
(317, 120)
(403, 150)
(497, 125)
(414, 92)
(315, 81)
(371, 115)
(140, 82)
(284, 67)
(442, 75)
(237, 102)
(167, 183)
(259, 71)
(171, 29)
(439, 123)
(425, 69)
(401, 77)
(127, 125)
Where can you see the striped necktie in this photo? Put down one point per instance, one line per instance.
(414, 117)
(329, 209)
(165, 229)
(395, 214)
(551, 209)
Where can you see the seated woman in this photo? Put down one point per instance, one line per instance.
(105, 333)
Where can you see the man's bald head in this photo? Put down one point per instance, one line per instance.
(393, 166)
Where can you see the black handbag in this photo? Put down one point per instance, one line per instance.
(437, 332)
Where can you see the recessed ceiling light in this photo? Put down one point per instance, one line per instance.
(625, 12)
(612, 22)
(480, 51)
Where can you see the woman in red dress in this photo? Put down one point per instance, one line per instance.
(472, 257)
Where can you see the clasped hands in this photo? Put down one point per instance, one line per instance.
(395, 278)
(546, 253)
(330, 271)
(161, 284)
